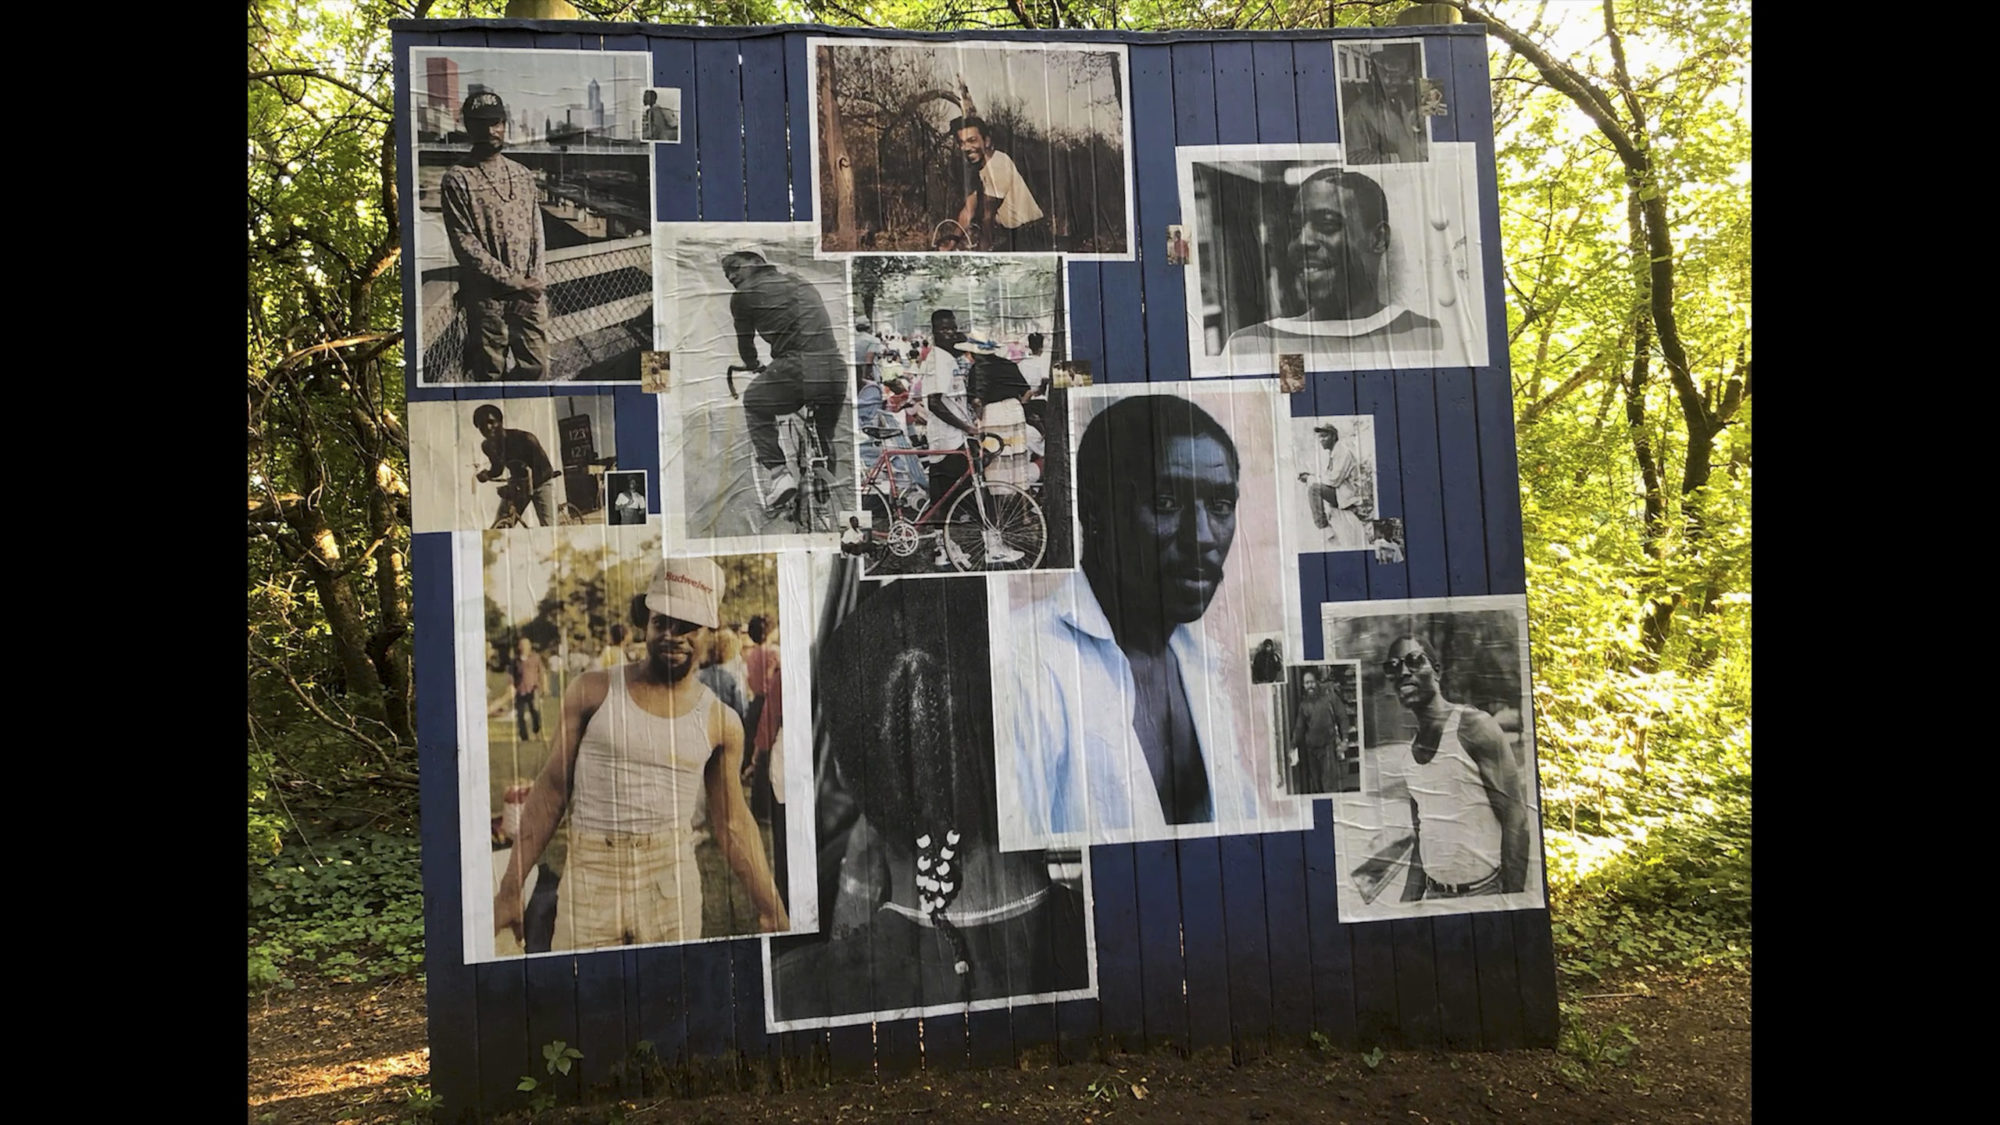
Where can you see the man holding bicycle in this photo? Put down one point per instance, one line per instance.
(806, 366)
(1000, 204)
(954, 412)
(520, 450)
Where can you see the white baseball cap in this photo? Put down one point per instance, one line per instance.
(688, 590)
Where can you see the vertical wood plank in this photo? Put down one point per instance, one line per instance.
(1376, 1023)
(1499, 982)
(1375, 394)
(1333, 993)
(897, 1052)
(1085, 303)
(552, 1017)
(799, 125)
(767, 177)
(1120, 1008)
(719, 129)
(1201, 935)
(1162, 971)
(1416, 981)
(675, 197)
(945, 1043)
(1535, 968)
(1131, 339)
(989, 1038)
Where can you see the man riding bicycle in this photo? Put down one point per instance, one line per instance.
(516, 449)
(806, 367)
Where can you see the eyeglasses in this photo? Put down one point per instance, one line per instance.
(1409, 660)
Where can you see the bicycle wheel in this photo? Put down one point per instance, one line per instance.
(1012, 534)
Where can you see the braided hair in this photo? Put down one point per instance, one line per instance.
(912, 732)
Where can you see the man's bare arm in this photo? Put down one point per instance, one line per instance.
(741, 845)
(1506, 788)
(544, 808)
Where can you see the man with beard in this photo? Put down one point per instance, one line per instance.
(1381, 120)
(1467, 790)
(1332, 267)
(635, 746)
(1118, 721)
(1319, 738)
(1001, 204)
(806, 367)
(493, 221)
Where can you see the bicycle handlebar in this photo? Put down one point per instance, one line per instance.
(729, 377)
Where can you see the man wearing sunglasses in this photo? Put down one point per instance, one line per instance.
(1467, 790)
(635, 746)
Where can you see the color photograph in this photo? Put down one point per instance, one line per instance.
(511, 462)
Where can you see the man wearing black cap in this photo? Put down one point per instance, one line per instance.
(494, 223)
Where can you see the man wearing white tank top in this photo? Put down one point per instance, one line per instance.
(635, 746)
(1466, 789)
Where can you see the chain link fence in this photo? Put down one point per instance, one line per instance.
(600, 311)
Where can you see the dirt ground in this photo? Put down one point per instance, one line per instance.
(323, 1055)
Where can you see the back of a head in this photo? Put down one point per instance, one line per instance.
(759, 626)
(914, 734)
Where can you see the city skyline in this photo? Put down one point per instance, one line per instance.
(574, 91)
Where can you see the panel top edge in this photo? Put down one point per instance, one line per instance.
(1061, 35)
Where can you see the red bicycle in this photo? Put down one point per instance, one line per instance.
(985, 525)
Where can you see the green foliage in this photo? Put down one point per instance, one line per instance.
(1373, 1057)
(350, 908)
(1586, 1051)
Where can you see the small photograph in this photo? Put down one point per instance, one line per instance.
(1267, 658)
(971, 147)
(624, 716)
(1382, 89)
(656, 371)
(660, 115)
(1179, 576)
(924, 913)
(513, 462)
(1298, 251)
(1318, 720)
(1447, 817)
(1291, 373)
(1327, 494)
(1386, 537)
(964, 440)
(1433, 98)
(1177, 247)
(628, 497)
(757, 428)
(532, 246)
(854, 528)
(1075, 373)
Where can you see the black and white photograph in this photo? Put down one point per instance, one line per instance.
(925, 913)
(1327, 496)
(854, 533)
(1318, 720)
(660, 115)
(624, 717)
(1267, 658)
(1382, 100)
(1448, 816)
(1123, 698)
(511, 462)
(1296, 251)
(628, 497)
(1386, 537)
(534, 206)
(1022, 148)
(964, 441)
(757, 430)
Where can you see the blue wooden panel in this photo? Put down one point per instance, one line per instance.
(897, 1049)
(1417, 465)
(1156, 345)
(662, 1002)
(1033, 1025)
(1332, 954)
(989, 1038)
(1077, 1028)
(711, 1008)
(719, 124)
(1207, 951)
(1115, 914)
(635, 419)
(1237, 109)
(1416, 981)
(944, 1043)
(799, 125)
(1375, 394)
(552, 1016)
(850, 1051)
(1457, 981)
(1458, 457)
(1277, 92)
(1535, 966)
(1247, 942)
(757, 1047)
(674, 165)
(501, 1022)
(1438, 64)
(1499, 982)
(1085, 303)
(1290, 929)
(1376, 1021)
(766, 156)
(1162, 971)
(1319, 115)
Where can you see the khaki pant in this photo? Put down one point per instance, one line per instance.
(641, 889)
